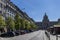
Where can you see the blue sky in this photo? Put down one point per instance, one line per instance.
(37, 8)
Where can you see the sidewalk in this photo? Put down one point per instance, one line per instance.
(50, 36)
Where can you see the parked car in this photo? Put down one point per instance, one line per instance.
(30, 30)
(22, 32)
(17, 33)
(26, 31)
(7, 34)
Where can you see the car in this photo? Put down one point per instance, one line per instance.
(7, 34)
(26, 31)
(30, 30)
(17, 33)
(22, 32)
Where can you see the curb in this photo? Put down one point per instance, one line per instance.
(47, 34)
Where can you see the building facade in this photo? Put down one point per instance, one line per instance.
(46, 23)
(8, 9)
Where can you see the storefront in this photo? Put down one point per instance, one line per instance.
(51, 29)
(57, 29)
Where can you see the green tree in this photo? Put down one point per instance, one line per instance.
(33, 26)
(11, 24)
(27, 25)
(2, 22)
(22, 24)
(17, 22)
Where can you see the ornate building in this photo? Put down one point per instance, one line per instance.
(46, 23)
(9, 9)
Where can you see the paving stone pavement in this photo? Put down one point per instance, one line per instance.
(38, 35)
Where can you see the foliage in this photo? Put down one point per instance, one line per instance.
(33, 26)
(30, 26)
(2, 22)
(11, 23)
(17, 22)
(22, 24)
(27, 25)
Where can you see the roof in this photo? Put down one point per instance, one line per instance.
(51, 27)
(56, 25)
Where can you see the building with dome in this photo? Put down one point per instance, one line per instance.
(46, 23)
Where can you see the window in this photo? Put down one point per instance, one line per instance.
(0, 11)
(0, 5)
(3, 1)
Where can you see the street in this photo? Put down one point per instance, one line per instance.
(38, 35)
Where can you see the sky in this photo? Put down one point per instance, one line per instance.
(37, 8)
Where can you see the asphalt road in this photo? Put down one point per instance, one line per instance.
(38, 35)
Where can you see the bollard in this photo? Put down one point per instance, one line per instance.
(56, 37)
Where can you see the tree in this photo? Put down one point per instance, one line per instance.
(17, 22)
(33, 26)
(22, 24)
(11, 24)
(27, 25)
(2, 22)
